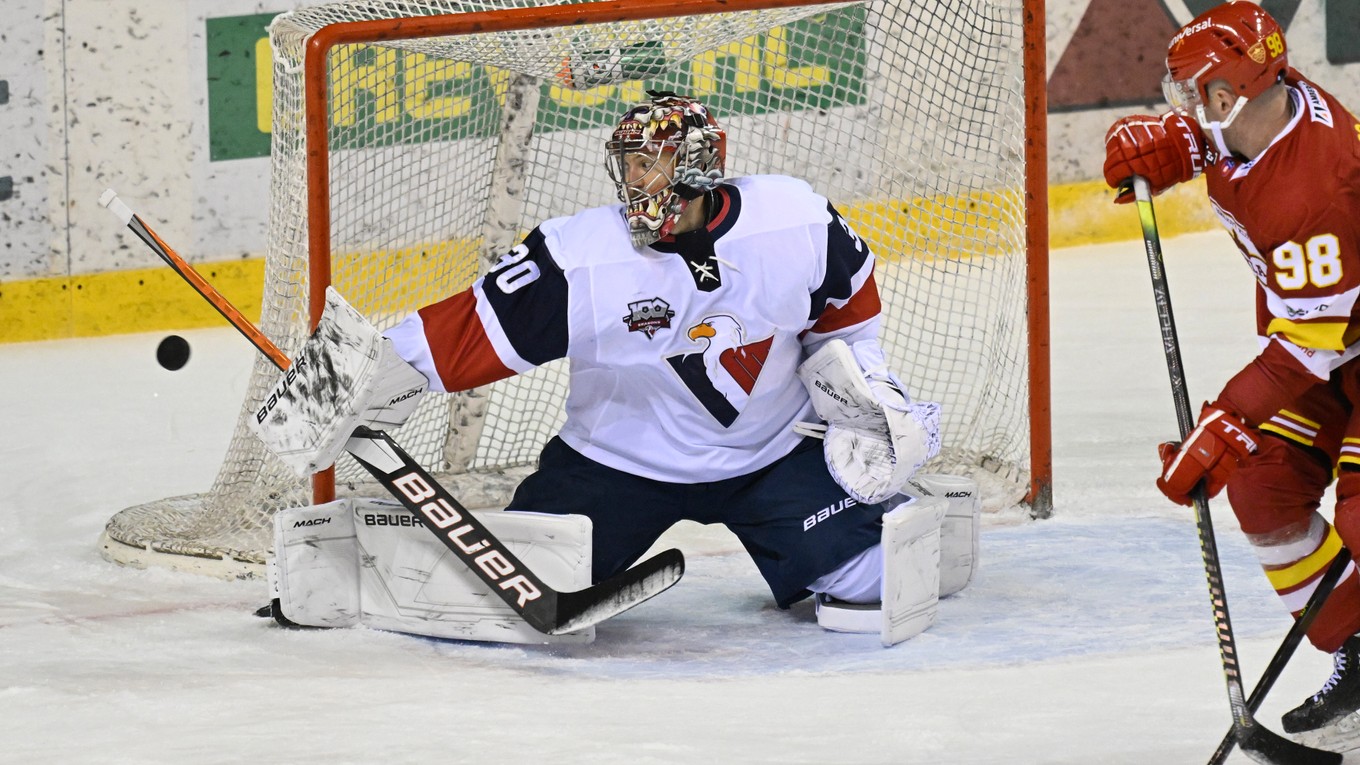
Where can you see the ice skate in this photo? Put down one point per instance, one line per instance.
(1329, 718)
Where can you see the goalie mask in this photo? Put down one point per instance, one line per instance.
(663, 154)
(1238, 43)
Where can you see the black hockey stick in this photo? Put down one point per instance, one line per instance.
(545, 609)
(1286, 649)
(1258, 742)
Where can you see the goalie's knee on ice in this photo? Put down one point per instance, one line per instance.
(929, 550)
(909, 577)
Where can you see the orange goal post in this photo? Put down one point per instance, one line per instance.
(415, 141)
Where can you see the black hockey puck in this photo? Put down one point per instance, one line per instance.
(173, 352)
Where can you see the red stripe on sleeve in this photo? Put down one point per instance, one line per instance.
(861, 307)
(463, 354)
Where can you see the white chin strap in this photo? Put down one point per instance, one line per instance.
(1215, 129)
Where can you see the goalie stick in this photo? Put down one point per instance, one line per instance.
(547, 610)
(1287, 647)
(1261, 744)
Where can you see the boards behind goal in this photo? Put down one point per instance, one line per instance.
(414, 141)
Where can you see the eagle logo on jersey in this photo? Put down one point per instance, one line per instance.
(649, 316)
(722, 374)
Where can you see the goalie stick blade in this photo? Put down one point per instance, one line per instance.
(571, 611)
(1270, 748)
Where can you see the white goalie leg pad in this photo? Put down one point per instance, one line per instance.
(876, 438)
(960, 532)
(345, 375)
(314, 572)
(911, 568)
(910, 554)
(399, 577)
(411, 582)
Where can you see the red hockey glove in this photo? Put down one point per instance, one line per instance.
(1215, 448)
(1165, 150)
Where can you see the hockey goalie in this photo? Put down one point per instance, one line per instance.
(724, 369)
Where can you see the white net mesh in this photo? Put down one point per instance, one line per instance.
(444, 151)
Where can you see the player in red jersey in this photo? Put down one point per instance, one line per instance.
(1281, 160)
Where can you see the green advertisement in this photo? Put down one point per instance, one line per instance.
(236, 127)
(393, 96)
(1343, 19)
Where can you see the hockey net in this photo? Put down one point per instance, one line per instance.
(443, 147)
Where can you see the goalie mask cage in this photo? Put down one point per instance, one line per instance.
(414, 141)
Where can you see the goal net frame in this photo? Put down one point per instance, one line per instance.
(317, 126)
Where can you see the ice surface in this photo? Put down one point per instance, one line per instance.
(1087, 638)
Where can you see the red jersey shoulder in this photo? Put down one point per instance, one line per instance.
(1290, 188)
(1331, 127)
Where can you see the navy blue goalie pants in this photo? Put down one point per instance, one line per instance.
(794, 520)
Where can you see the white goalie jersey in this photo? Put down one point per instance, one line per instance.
(683, 355)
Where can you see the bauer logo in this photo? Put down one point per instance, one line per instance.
(383, 519)
(467, 538)
(827, 389)
(827, 512)
(280, 391)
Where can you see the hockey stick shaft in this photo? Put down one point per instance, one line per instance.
(1296, 633)
(216, 299)
(544, 608)
(1263, 745)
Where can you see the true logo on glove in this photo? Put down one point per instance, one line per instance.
(1240, 435)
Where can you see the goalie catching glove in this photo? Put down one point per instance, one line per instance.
(875, 437)
(347, 375)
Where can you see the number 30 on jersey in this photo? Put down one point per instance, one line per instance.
(512, 271)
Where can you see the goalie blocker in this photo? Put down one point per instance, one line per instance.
(346, 375)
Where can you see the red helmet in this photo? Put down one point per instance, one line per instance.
(674, 126)
(1237, 42)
